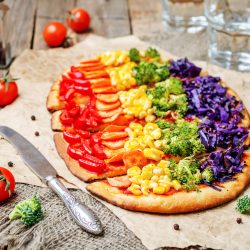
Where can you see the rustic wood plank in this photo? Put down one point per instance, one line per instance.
(22, 15)
(54, 9)
(109, 18)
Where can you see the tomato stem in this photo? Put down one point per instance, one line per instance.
(7, 183)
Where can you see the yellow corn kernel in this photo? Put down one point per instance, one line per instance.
(148, 141)
(150, 111)
(176, 185)
(138, 131)
(135, 189)
(155, 178)
(134, 125)
(145, 190)
(145, 183)
(141, 142)
(133, 171)
(153, 154)
(149, 166)
(164, 177)
(163, 164)
(153, 184)
(156, 134)
(146, 174)
(159, 190)
(167, 171)
(158, 144)
(149, 127)
(165, 185)
(142, 114)
(137, 179)
(131, 144)
(158, 171)
(150, 118)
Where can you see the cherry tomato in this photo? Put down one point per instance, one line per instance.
(54, 34)
(78, 20)
(8, 92)
(71, 137)
(7, 184)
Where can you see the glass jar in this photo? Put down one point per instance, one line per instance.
(5, 49)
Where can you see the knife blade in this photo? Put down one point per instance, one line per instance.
(83, 215)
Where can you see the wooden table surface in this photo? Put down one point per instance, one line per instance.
(109, 18)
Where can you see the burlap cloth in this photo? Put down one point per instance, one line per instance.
(214, 228)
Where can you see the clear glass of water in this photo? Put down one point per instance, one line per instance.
(229, 33)
(184, 13)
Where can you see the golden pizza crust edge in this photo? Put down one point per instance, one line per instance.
(179, 202)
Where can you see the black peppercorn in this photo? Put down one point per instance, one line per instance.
(239, 220)
(10, 164)
(176, 227)
(37, 133)
(33, 118)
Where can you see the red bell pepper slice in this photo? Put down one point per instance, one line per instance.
(69, 94)
(92, 166)
(73, 112)
(71, 137)
(82, 90)
(65, 118)
(76, 75)
(86, 146)
(95, 138)
(98, 151)
(75, 153)
(84, 83)
(84, 134)
(93, 159)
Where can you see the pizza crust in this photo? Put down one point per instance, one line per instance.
(77, 170)
(179, 202)
(55, 122)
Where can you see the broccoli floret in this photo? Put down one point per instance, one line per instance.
(243, 204)
(134, 55)
(187, 173)
(162, 124)
(174, 86)
(29, 211)
(151, 52)
(208, 175)
(152, 72)
(182, 139)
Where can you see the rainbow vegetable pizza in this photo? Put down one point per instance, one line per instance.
(155, 135)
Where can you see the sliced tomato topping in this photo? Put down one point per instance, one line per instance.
(111, 136)
(104, 90)
(76, 75)
(100, 83)
(103, 106)
(114, 144)
(86, 146)
(114, 128)
(107, 97)
(84, 134)
(107, 114)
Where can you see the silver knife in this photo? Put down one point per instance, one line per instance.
(83, 215)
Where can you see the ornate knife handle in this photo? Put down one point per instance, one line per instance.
(83, 215)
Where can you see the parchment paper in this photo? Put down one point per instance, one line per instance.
(215, 228)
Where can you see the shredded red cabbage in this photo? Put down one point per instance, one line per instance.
(222, 135)
(220, 114)
(225, 164)
(184, 69)
(208, 98)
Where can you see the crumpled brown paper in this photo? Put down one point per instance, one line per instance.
(216, 228)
